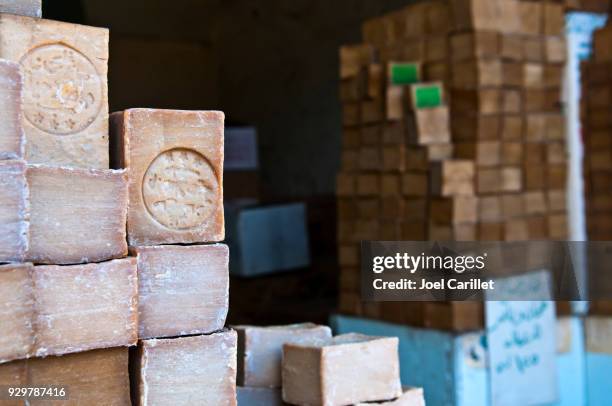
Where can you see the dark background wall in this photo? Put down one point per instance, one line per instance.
(270, 63)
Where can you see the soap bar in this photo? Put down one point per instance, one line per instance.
(182, 289)
(175, 164)
(55, 310)
(197, 370)
(12, 139)
(453, 177)
(65, 96)
(14, 211)
(429, 126)
(30, 8)
(410, 397)
(259, 358)
(78, 215)
(259, 396)
(16, 311)
(98, 377)
(82, 307)
(347, 369)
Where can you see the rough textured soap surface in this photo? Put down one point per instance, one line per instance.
(30, 8)
(182, 290)
(78, 215)
(260, 350)
(98, 377)
(14, 211)
(12, 139)
(54, 310)
(82, 307)
(65, 95)
(197, 370)
(410, 397)
(347, 369)
(175, 162)
(16, 311)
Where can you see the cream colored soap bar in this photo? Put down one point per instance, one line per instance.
(78, 215)
(410, 397)
(16, 311)
(347, 369)
(14, 211)
(175, 164)
(55, 310)
(30, 8)
(12, 139)
(182, 290)
(197, 370)
(98, 377)
(65, 96)
(261, 348)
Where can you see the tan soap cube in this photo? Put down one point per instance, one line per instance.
(78, 215)
(82, 307)
(346, 369)
(14, 211)
(175, 164)
(259, 357)
(455, 210)
(182, 289)
(54, 310)
(16, 311)
(90, 378)
(430, 126)
(200, 370)
(12, 139)
(453, 177)
(30, 8)
(65, 95)
(410, 397)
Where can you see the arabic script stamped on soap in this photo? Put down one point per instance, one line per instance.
(62, 89)
(180, 189)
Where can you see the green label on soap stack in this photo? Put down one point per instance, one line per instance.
(404, 73)
(427, 97)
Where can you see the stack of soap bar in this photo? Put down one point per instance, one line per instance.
(410, 397)
(77, 215)
(89, 378)
(260, 350)
(31, 8)
(12, 140)
(182, 289)
(197, 370)
(53, 310)
(65, 96)
(14, 211)
(175, 165)
(347, 369)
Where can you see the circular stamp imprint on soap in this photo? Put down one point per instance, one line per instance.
(62, 92)
(180, 189)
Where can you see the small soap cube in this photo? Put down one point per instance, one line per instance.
(78, 215)
(197, 370)
(175, 164)
(259, 358)
(182, 289)
(347, 369)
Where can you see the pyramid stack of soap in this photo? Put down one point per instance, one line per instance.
(496, 167)
(66, 289)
